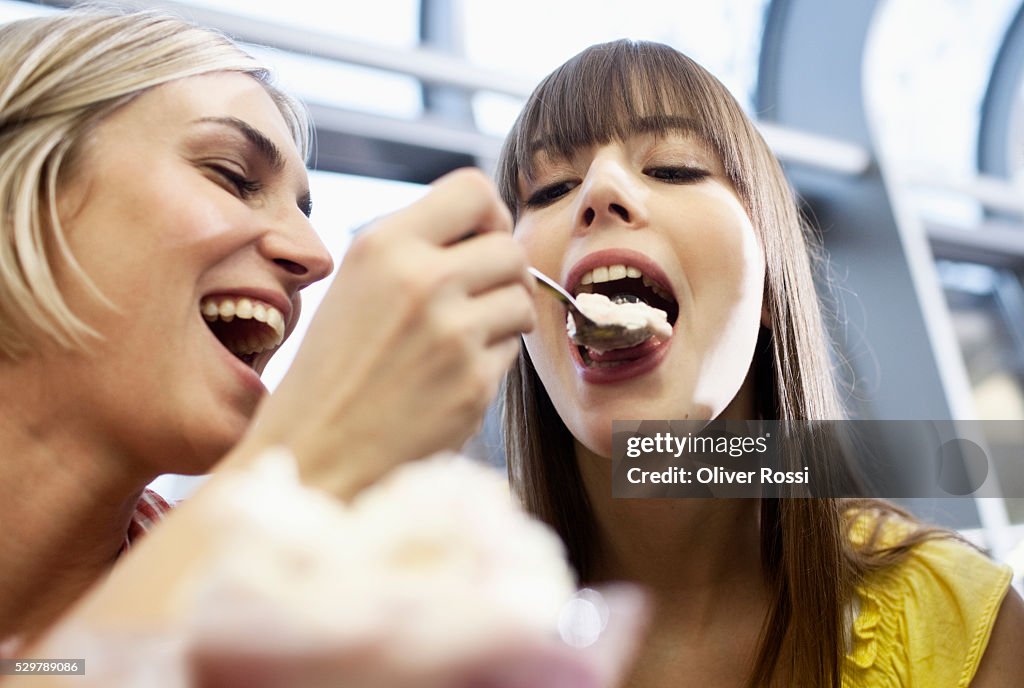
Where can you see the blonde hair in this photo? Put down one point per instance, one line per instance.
(59, 77)
(609, 91)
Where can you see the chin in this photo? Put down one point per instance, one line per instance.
(208, 446)
(594, 431)
(595, 434)
(600, 446)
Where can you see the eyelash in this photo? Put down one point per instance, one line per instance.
(244, 186)
(549, 194)
(669, 174)
(677, 175)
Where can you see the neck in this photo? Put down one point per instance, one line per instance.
(670, 542)
(696, 556)
(66, 499)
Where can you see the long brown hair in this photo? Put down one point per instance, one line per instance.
(601, 94)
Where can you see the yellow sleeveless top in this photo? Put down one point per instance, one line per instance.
(927, 621)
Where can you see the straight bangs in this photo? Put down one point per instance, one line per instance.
(614, 91)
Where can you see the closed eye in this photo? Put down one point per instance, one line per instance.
(549, 194)
(677, 175)
(242, 186)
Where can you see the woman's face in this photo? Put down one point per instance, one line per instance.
(661, 207)
(189, 203)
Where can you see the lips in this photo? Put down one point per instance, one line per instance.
(616, 356)
(622, 274)
(619, 365)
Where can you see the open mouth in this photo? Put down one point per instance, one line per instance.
(244, 326)
(622, 283)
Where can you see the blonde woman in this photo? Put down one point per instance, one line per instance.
(154, 238)
(631, 155)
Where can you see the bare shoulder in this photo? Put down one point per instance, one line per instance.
(1002, 665)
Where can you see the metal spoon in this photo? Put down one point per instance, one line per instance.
(600, 337)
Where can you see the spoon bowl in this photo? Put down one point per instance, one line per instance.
(590, 333)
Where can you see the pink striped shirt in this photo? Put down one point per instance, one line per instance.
(151, 509)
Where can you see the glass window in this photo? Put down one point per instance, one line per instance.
(927, 67)
(393, 23)
(388, 23)
(987, 307)
(532, 37)
(924, 94)
(10, 10)
(335, 84)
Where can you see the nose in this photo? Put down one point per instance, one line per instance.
(294, 246)
(611, 195)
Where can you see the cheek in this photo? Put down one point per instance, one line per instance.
(547, 343)
(724, 260)
(742, 283)
(734, 317)
(544, 249)
(543, 253)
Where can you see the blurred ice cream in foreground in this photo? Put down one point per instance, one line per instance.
(432, 578)
(436, 554)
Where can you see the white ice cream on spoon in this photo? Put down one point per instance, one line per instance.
(634, 316)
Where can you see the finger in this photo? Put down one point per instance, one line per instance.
(460, 203)
(503, 354)
(487, 261)
(503, 312)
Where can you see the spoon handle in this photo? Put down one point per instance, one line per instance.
(552, 286)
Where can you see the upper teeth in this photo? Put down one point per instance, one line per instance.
(227, 308)
(610, 273)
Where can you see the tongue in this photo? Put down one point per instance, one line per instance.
(626, 354)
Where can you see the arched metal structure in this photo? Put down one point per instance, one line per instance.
(999, 104)
(894, 330)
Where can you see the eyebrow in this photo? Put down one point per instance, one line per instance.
(266, 148)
